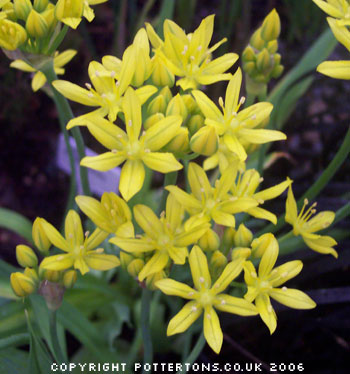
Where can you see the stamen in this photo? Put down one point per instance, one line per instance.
(112, 73)
(147, 150)
(114, 151)
(184, 50)
(242, 100)
(269, 308)
(97, 73)
(221, 102)
(223, 302)
(117, 83)
(143, 133)
(87, 233)
(192, 58)
(253, 275)
(284, 288)
(261, 179)
(90, 94)
(130, 123)
(99, 250)
(201, 280)
(208, 316)
(194, 309)
(88, 86)
(191, 293)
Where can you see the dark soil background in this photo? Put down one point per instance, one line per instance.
(31, 184)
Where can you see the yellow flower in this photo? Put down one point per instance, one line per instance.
(79, 248)
(112, 214)
(108, 87)
(22, 285)
(12, 34)
(246, 185)
(211, 203)
(39, 79)
(265, 284)
(166, 236)
(205, 297)
(339, 9)
(188, 56)
(306, 226)
(133, 146)
(235, 127)
(337, 69)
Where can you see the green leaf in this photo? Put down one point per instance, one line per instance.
(13, 361)
(14, 341)
(12, 319)
(5, 289)
(16, 222)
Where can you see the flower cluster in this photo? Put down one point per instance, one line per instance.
(152, 115)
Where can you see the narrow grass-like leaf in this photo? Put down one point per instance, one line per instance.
(16, 222)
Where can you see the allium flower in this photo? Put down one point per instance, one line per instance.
(339, 9)
(265, 284)
(188, 56)
(79, 248)
(234, 127)
(307, 227)
(205, 298)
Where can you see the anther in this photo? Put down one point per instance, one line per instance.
(99, 250)
(88, 86)
(253, 275)
(114, 151)
(253, 117)
(192, 58)
(194, 309)
(201, 279)
(87, 233)
(97, 73)
(191, 293)
(306, 201)
(223, 302)
(103, 95)
(261, 179)
(184, 50)
(208, 316)
(199, 48)
(130, 123)
(284, 288)
(242, 100)
(147, 150)
(269, 309)
(117, 83)
(112, 73)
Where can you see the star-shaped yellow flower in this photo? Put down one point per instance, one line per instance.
(265, 284)
(188, 56)
(205, 298)
(79, 248)
(234, 127)
(307, 227)
(338, 9)
(133, 146)
(166, 236)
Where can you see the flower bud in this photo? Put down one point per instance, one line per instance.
(272, 46)
(263, 60)
(210, 241)
(259, 245)
(26, 256)
(190, 103)
(135, 267)
(40, 238)
(271, 26)
(153, 278)
(228, 238)
(177, 106)
(248, 54)
(240, 252)
(22, 8)
(249, 67)
(21, 284)
(157, 105)
(152, 120)
(218, 260)
(32, 274)
(125, 259)
(256, 41)
(161, 76)
(195, 122)
(51, 275)
(52, 293)
(165, 91)
(277, 71)
(69, 12)
(69, 278)
(12, 35)
(40, 5)
(205, 141)
(243, 236)
(36, 25)
(49, 15)
(179, 144)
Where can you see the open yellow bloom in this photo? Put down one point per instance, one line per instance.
(234, 127)
(211, 203)
(188, 56)
(246, 185)
(166, 236)
(205, 298)
(79, 248)
(39, 79)
(133, 146)
(266, 284)
(339, 9)
(112, 214)
(107, 89)
(306, 226)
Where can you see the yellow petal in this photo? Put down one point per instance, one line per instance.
(212, 330)
(220, 64)
(199, 268)
(104, 162)
(272, 192)
(232, 93)
(261, 136)
(205, 141)
(38, 81)
(132, 245)
(231, 271)
(162, 162)
(222, 218)
(328, 8)
(341, 33)
(175, 288)
(96, 238)
(57, 262)
(178, 254)
(187, 200)
(322, 244)
(191, 236)
(261, 213)
(335, 69)
(269, 258)
(148, 221)
(162, 132)
(320, 221)
(291, 207)
(54, 236)
(75, 93)
(132, 110)
(283, 273)
(235, 305)
(73, 229)
(266, 311)
(198, 181)
(81, 265)
(184, 318)
(64, 57)
(234, 145)
(100, 261)
(157, 263)
(293, 298)
(208, 108)
(22, 65)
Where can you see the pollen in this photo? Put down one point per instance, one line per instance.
(88, 86)
(194, 309)
(114, 151)
(201, 280)
(112, 73)
(87, 233)
(242, 100)
(284, 288)
(130, 123)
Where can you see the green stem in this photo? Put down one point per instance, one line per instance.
(196, 351)
(54, 337)
(285, 237)
(249, 100)
(65, 115)
(321, 182)
(59, 38)
(145, 326)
